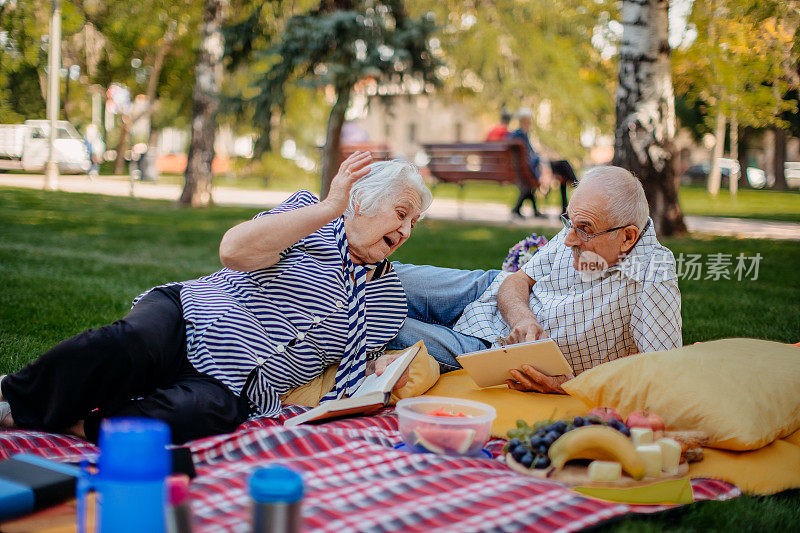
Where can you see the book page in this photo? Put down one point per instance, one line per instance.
(386, 381)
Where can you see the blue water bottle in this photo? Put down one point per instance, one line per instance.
(131, 479)
(277, 494)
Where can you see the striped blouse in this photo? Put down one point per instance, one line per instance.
(268, 331)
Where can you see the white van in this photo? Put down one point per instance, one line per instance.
(25, 147)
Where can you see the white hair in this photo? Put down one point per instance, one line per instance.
(385, 180)
(626, 202)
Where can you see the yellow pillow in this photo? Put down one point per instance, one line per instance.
(744, 393)
(422, 375)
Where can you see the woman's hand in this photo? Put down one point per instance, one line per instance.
(351, 170)
(383, 362)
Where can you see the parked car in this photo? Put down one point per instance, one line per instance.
(698, 174)
(25, 147)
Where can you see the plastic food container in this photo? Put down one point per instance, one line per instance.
(445, 435)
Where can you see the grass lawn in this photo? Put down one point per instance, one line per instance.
(71, 262)
(750, 203)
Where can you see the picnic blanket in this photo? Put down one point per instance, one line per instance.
(356, 481)
(771, 469)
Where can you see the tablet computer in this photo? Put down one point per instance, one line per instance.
(492, 366)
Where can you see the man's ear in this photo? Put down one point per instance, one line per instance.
(631, 235)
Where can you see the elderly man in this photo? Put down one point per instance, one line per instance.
(602, 288)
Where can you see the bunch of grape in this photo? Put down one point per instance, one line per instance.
(529, 444)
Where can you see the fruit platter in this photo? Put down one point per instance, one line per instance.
(602, 450)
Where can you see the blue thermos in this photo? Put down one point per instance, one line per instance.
(277, 494)
(132, 470)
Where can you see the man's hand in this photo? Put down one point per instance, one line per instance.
(525, 329)
(531, 380)
(382, 362)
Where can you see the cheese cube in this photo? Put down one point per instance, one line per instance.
(651, 455)
(605, 471)
(670, 455)
(641, 436)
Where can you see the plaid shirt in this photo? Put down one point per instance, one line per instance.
(634, 306)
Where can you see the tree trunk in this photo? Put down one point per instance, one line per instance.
(65, 100)
(779, 158)
(735, 174)
(769, 156)
(147, 164)
(205, 96)
(646, 110)
(333, 140)
(715, 177)
(122, 144)
(745, 135)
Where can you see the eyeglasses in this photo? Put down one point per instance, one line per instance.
(585, 237)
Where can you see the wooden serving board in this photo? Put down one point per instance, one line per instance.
(578, 475)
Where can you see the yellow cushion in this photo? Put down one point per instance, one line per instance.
(423, 373)
(771, 469)
(744, 393)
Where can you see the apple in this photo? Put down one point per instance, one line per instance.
(606, 414)
(647, 419)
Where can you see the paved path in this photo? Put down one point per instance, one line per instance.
(442, 208)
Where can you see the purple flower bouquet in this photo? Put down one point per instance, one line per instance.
(521, 253)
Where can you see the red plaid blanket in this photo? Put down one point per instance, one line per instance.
(356, 481)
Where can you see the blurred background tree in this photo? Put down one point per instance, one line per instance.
(336, 45)
(741, 66)
(292, 68)
(205, 105)
(555, 56)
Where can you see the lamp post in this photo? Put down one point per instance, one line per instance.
(54, 68)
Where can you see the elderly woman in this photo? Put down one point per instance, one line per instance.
(306, 286)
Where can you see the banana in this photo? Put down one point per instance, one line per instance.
(599, 443)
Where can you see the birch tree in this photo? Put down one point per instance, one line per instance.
(205, 97)
(646, 110)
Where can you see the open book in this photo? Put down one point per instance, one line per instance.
(373, 393)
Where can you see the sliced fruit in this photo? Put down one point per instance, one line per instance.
(444, 440)
(670, 455)
(651, 455)
(443, 412)
(641, 436)
(600, 443)
(607, 471)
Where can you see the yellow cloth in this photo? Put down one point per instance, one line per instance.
(743, 393)
(765, 471)
(422, 374)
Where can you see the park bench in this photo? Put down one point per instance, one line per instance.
(501, 162)
(380, 152)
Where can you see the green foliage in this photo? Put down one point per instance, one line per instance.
(537, 54)
(743, 60)
(335, 45)
(101, 39)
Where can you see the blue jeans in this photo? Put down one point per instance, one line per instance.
(436, 299)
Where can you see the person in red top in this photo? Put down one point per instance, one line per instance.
(500, 131)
